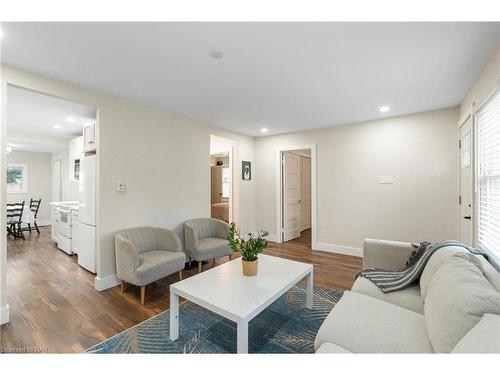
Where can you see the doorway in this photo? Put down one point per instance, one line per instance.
(296, 196)
(221, 179)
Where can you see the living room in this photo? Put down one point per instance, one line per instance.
(391, 118)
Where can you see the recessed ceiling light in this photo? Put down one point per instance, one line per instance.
(70, 119)
(263, 130)
(215, 54)
(384, 109)
(56, 126)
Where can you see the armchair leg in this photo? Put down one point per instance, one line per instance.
(123, 286)
(199, 266)
(143, 294)
(230, 257)
(189, 261)
(180, 275)
(213, 263)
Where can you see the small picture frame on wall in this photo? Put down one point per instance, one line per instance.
(246, 170)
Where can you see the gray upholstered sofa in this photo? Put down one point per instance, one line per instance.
(454, 308)
(147, 254)
(205, 239)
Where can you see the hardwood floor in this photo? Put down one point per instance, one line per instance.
(53, 303)
(304, 239)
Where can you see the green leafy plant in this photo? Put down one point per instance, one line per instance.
(249, 245)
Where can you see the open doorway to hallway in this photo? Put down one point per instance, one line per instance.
(296, 196)
(221, 178)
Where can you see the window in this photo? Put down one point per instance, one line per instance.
(17, 178)
(466, 150)
(488, 176)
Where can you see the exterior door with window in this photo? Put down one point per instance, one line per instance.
(466, 183)
(291, 196)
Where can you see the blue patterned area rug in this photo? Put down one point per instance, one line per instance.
(286, 326)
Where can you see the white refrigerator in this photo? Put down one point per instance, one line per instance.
(87, 249)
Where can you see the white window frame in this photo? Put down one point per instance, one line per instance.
(495, 255)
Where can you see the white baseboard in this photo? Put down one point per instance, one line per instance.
(107, 282)
(339, 249)
(272, 237)
(4, 314)
(43, 223)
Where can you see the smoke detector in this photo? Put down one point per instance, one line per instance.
(215, 54)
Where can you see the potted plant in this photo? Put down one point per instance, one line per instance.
(249, 246)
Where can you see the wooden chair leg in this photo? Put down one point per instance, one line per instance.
(29, 227)
(199, 266)
(123, 286)
(36, 227)
(180, 275)
(20, 231)
(143, 294)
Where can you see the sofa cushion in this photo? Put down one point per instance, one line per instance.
(209, 248)
(157, 264)
(363, 324)
(408, 298)
(484, 337)
(329, 348)
(458, 297)
(436, 260)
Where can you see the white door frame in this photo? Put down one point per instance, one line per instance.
(279, 189)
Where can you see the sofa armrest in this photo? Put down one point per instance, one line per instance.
(127, 257)
(221, 228)
(190, 237)
(388, 255)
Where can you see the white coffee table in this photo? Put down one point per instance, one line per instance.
(226, 291)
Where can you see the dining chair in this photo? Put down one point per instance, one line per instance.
(34, 207)
(14, 219)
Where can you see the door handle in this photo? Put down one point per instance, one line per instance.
(467, 217)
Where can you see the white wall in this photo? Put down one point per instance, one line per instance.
(161, 157)
(418, 150)
(39, 181)
(484, 84)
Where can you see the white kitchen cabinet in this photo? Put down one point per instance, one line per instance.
(89, 138)
(75, 154)
(53, 223)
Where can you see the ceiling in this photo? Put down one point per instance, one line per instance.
(282, 76)
(35, 122)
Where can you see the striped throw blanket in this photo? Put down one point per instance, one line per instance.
(390, 281)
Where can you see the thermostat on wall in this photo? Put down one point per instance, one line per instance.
(385, 179)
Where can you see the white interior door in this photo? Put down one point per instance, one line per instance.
(466, 183)
(291, 196)
(305, 194)
(57, 180)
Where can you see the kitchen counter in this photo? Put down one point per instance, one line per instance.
(70, 205)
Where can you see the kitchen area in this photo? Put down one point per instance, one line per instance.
(73, 223)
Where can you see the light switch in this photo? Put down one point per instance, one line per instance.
(120, 187)
(385, 179)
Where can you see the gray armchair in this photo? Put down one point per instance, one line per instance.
(147, 254)
(206, 239)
